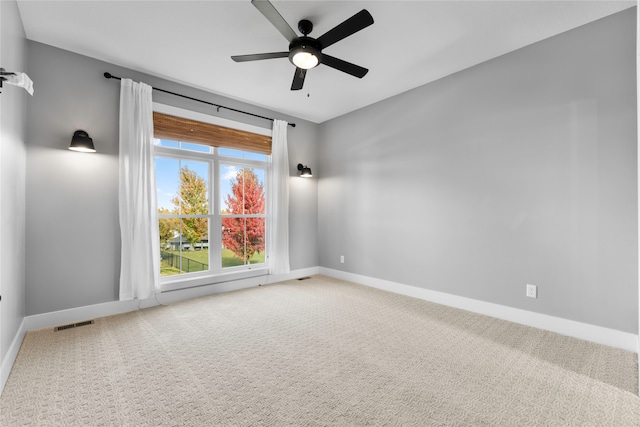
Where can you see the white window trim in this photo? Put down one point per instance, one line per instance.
(171, 283)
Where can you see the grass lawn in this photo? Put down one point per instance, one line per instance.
(202, 256)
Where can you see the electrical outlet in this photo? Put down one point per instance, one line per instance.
(532, 291)
(341, 259)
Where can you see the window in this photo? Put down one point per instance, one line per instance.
(212, 216)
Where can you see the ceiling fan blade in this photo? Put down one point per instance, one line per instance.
(269, 11)
(352, 25)
(344, 66)
(298, 79)
(259, 56)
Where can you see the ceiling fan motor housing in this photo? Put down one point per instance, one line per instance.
(306, 45)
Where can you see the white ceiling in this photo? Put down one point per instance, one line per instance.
(410, 44)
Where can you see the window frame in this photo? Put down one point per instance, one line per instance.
(216, 272)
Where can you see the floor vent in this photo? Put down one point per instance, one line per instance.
(304, 278)
(73, 325)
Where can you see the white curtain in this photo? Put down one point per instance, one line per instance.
(279, 200)
(140, 258)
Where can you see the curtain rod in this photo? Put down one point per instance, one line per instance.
(111, 76)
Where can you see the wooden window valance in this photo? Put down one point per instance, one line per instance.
(187, 130)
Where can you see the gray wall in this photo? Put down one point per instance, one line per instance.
(519, 170)
(13, 101)
(73, 236)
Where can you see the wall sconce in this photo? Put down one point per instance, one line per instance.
(82, 142)
(305, 171)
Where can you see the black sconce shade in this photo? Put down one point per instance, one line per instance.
(305, 171)
(82, 142)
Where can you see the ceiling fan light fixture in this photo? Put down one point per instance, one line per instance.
(305, 60)
(305, 57)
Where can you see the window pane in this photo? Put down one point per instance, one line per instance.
(241, 190)
(228, 197)
(192, 197)
(242, 241)
(195, 147)
(182, 186)
(188, 146)
(254, 191)
(169, 229)
(166, 143)
(255, 240)
(188, 250)
(230, 152)
(167, 183)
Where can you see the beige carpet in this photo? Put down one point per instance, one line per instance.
(319, 352)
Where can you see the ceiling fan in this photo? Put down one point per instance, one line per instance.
(306, 52)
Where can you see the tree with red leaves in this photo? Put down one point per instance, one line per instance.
(244, 236)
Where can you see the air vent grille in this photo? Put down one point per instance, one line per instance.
(74, 325)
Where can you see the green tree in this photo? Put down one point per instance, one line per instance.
(244, 236)
(192, 200)
(167, 227)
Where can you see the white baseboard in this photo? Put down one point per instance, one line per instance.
(303, 272)
(10, 358)
(200, 291)
(610, 337)
(77, 314)
(72, 315)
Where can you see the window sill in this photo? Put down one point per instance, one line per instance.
(194, 281)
